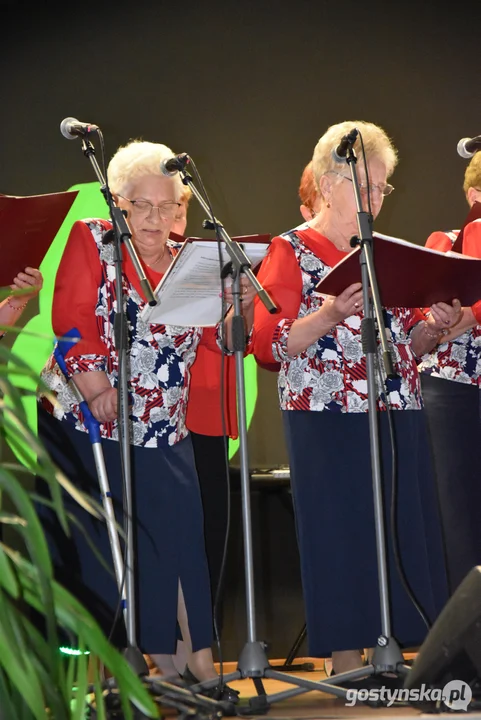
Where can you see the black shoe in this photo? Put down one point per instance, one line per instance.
(224, 694)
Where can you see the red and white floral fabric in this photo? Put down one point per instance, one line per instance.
(160, 356)
(330, 375)
(460, 359)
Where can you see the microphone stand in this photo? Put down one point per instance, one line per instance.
(121, 234)
(239, 264)
(387, 654)
(253, 662)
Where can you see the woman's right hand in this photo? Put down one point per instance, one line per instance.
(104, 405)
(349, 302)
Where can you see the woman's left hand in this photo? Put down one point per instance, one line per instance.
(444, 316)
(30, 278)
(248, 293)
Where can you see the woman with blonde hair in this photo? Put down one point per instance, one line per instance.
(451, 381)
(323, 394)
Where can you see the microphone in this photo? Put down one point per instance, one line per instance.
(172, 165)
(467, 147)
(339, 154)
(71, 128)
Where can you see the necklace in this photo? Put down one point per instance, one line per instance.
(150, 265)
(324, 229)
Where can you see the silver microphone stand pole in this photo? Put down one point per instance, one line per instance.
(92, 426)
(253, 662)
(121, 234)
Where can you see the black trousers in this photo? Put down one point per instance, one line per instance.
(454, 427)
(211, 471)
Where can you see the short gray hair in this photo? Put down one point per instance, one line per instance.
(136, 160)
(376, 144)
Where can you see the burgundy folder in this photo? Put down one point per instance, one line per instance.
(28, 226)
(410, 275)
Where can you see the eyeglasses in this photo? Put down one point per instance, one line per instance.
(384, 190)
(143, 208)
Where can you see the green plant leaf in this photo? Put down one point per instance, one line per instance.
(81, 681)
(72, 616)
(8, 578)
(35, 682)
(18, 666)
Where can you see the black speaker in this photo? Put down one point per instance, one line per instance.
(452, 649)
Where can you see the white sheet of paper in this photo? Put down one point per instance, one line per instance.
(189, 293)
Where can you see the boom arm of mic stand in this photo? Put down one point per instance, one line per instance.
(236, 253)
(119, 222)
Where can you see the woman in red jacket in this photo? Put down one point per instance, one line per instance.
(451, 381)
(211, 425)
(323, 396)
(171, 569)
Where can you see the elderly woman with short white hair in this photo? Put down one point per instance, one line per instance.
(323, 396)
(171, 571)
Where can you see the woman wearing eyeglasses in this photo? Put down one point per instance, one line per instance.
(171, 571)
(323, 396)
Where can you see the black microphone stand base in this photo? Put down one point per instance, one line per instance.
(253, 664)
(136, 660)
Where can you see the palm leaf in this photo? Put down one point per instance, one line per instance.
(72, 616)
(18, 666)
(35, 682)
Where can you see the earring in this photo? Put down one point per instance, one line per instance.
(328, 204)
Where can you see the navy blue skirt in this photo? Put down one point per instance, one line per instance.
(454, 425)
(168, 537)
(332, 491)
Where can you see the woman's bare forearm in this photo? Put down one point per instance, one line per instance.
(92, 383)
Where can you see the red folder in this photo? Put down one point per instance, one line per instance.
(410, 275)
(28, 226)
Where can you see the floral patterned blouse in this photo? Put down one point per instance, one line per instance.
(460, 359)
(160, 356)
(331, 374)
